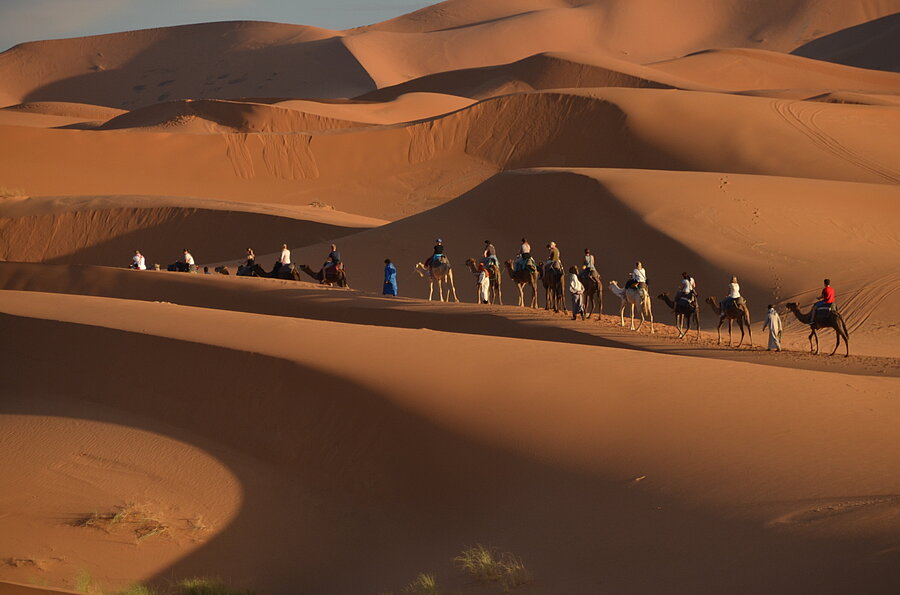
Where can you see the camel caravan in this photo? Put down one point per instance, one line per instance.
(584, 286)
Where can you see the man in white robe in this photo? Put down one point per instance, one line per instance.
(773, 323)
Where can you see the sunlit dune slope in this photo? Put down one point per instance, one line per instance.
(387, 172)
(253, 59)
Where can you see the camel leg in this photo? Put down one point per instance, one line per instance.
(719, 331)
(632, 317)
(521, 295)
(452, 287)
(430, 289)
(534, 296)
(650, 313)
(729, 332)
(741, 326)
(811, 336)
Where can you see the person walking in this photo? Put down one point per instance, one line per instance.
(773, 323)
(390, 278)
(576, 289)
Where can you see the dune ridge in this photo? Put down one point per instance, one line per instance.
(357, 440)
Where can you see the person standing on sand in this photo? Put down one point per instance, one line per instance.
(773, 323)
(138, 262)
(390, 278)
(484, 284)
(576, 289)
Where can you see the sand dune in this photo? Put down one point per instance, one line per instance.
(871, 44)
(253, 59)
(356, 441)
(767, 231)
(107, 230)
(743, 69)
(216, 116)
(393, 171)
(348, 461)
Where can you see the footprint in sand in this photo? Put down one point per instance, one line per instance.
(823, 510)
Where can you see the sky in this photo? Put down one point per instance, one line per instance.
(32, 20)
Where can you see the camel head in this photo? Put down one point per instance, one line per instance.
(711, 300)
(470, 262)
(792, 306)
(421, 270)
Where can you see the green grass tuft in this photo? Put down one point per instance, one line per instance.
(207, 586)
(424, 584)
(490, 565)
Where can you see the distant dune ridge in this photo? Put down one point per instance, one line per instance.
(287, 437)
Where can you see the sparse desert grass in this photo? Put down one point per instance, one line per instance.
(138, 520)
(207, 586)
(424, 584)
(138, 590)
(84, 582)
(8, 192)
(487, 564)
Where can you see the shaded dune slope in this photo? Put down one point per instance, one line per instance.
(97, 230)
(348, 460)
(872, 44)
(208, 116)
(766, 230)
(140, 68)
(542, 71)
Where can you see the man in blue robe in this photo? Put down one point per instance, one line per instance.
(390, 278)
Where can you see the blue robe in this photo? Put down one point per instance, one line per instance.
(390, 280)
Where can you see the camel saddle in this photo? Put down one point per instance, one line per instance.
(522, 265)
(825, 313)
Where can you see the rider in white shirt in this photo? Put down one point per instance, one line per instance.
(285, 255)
(138, 262)
(188, 259)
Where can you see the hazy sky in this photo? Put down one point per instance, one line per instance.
(31, 20)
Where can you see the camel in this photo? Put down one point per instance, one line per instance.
(738, 312)
(684, 310)
(439, 271)
(334, 276)
(494, 276)
(834, 321)
(593, 293)
(289, 272)
(631, 297)
(527, 276)
(553, 280)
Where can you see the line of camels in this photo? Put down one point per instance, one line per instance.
(440, 273)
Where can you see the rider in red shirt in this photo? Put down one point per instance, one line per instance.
(826, 299)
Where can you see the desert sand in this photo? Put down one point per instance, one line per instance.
(289, 437)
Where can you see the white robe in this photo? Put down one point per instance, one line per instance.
(773, 323)
(484, 286)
